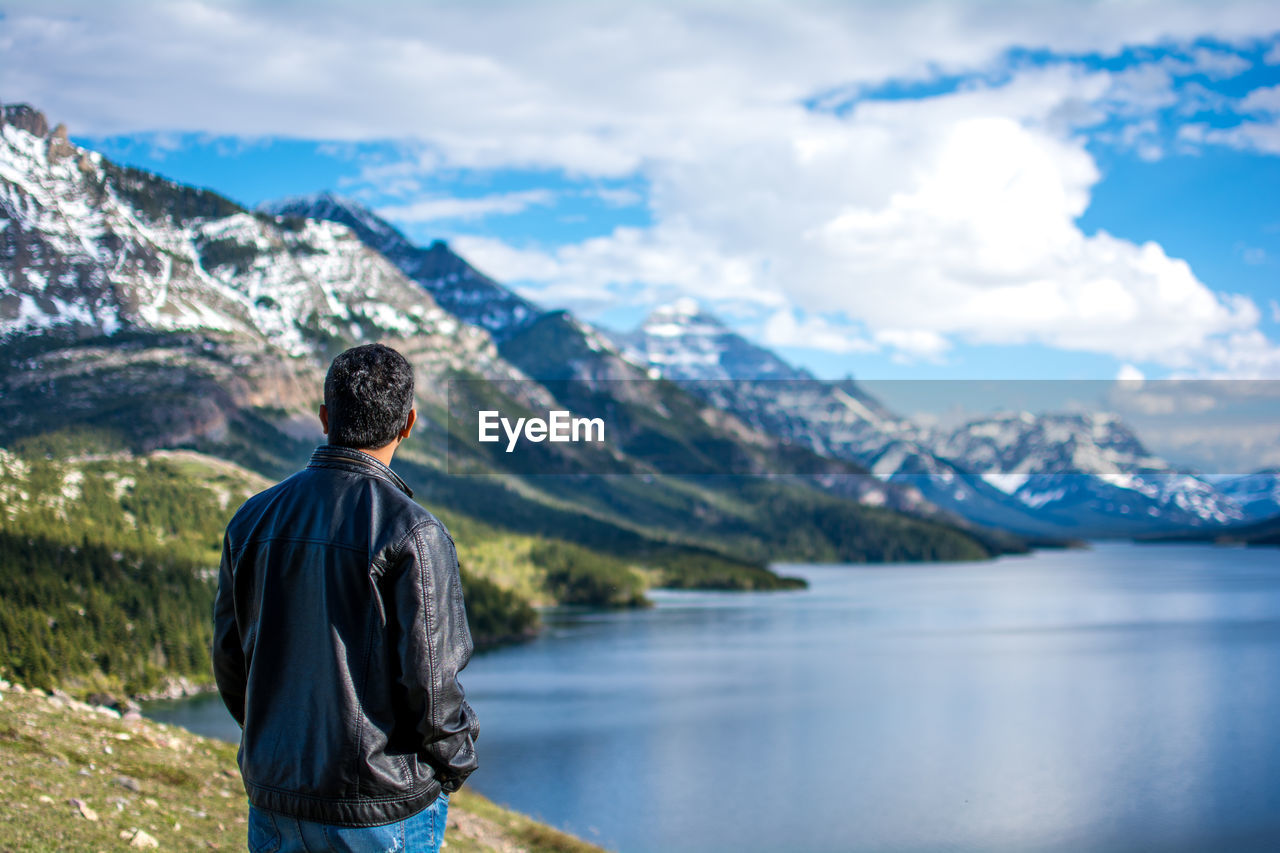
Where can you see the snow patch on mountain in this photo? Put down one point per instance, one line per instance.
(683, 342)
(1049, 461)
(1017, 469)
(454, 284)
(92, 249)
(1257, 495)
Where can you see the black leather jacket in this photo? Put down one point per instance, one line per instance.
(339, 632)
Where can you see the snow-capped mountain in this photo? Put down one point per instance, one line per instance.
(557, 347)
(1020, 443)
(137, 313)
(103, 249)
(544, 345)
(104, 270)
(1083, 474)
(1079, 467)
(683, 342)
(204, 314)
(837, 419)
(161, 310)
(455, 285)
(1257, 495)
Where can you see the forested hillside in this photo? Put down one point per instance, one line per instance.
(108, 569)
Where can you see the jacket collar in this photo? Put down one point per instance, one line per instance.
(333, 456)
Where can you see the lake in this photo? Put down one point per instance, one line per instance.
(1121, 698)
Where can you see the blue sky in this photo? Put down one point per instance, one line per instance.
(929, 190)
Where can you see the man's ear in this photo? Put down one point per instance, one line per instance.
(408, 423)
(324, 418)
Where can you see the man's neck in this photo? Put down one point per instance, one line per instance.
(382, 454)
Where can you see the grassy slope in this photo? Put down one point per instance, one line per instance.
(74, 522)
(189, 795)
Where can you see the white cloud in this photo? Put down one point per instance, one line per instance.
(1194, 97)
(1142, 137)
(618, 197)
(478, 207)
(914, 343)
(584, 86)
(784, 329)
(1261, 136)
(1222, 426)
(959, 227)
(504, 262)
(928, 222)
(1140, 90)
(1219, 449)
(1159, 398)
(1260, 133)
(652, 265)
(1130, 376)
(1262, 100)
(1212, 62)
(1219, 63)
(1247, 354)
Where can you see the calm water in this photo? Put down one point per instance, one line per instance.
(1125, 698)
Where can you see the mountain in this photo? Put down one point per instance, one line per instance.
(592, 371)
(169, 314)
(545, 345)
(456, 286)
(137, 313)
(1085, 470)
(1257, 494)
(1072, 475)
(684, 343)
(837, 419)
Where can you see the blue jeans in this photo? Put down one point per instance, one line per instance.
(270, 832)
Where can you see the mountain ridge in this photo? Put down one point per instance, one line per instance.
(458, 287)
(219, 322)
(556, 346)
(1073, 475)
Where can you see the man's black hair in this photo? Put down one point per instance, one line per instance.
(368, 392)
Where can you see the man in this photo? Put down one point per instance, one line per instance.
(339, 632)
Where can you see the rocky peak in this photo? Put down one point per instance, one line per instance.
(455, 285)
(1099, 443)
(28, 118)
(682, 341)
(372, 230)
(684, 316)
(59, 145)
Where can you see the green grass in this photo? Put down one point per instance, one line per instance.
(188, 795)
(107, 566)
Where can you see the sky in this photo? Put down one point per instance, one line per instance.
(941, 190)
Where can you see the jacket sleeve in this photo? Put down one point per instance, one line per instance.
(228, 655)
(434, 644)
